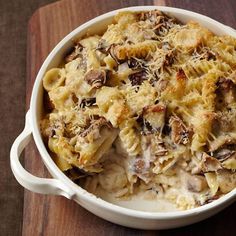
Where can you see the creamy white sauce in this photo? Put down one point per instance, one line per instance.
(138, 202)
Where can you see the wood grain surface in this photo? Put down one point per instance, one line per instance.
(14, 17)
(53, 215)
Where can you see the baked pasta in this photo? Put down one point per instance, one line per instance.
(148, 106)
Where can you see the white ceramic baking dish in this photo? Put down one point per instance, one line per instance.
(60, 184)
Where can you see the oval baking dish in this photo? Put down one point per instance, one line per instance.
(60, 184)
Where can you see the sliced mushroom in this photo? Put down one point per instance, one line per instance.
(77, 173)
(223, 154)
(209, 164)
(87, 102)
(112, 52)
(162, 22)
(141, 168)
(196, 183)
(153, 147)
(74, 54)
(96, 78)
(153, 16)
(210, 199)
(135, 64)
(137, 78)
(179, 132)
(103, 46)
(222, 140)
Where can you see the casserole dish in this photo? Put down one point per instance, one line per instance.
(61, 185)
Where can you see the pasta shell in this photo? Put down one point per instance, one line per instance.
(53, 79)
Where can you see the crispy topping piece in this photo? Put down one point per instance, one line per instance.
(154, 115)
(181, 75)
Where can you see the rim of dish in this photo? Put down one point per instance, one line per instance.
(50, 164)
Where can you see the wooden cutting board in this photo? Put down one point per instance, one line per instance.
(53, 215)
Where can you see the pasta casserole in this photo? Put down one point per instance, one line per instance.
(148, 107)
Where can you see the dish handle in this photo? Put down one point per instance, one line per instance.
(27, 180)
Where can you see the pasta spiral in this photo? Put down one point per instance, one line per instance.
(129, 137)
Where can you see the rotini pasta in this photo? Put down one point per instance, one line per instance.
(129, 137)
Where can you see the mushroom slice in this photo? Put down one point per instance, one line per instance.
(113, 54)
(223, 154)
(141, 168)
(75, 53)
(196, 183)
(161, 22)
(97, 78)
(103, 46)
(87, 102)
(153, 147)
(222, 140)
(137, 78)
(179, 132)
(209, 163)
